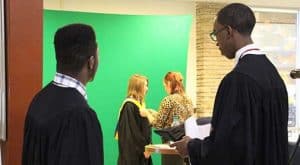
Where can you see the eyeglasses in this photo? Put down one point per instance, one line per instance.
(213, 35)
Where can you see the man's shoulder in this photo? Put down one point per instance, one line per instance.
(59, 91)
(254, 64)
(51, 103)
(53, 93)
(239, 79)
(49, 117)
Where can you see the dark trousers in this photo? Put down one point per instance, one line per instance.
(171, 159)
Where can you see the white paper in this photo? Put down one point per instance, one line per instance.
(196, 131)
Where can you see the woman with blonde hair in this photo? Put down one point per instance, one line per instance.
(176, 105)
(134, 131)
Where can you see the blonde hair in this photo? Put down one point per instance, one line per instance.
(176, 82)
(136, 85)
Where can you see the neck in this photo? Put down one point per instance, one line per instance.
(135, 98)
(80, 77)
(243, 41)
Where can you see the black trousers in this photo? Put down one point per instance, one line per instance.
(173, 159)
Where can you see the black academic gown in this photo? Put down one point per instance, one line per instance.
(61, 129)
(249, 123)
(134, 133)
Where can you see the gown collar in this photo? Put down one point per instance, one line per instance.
(248, 49)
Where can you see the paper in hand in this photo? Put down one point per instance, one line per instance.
(193, 130)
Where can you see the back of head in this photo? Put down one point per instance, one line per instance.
(176, 82)
(136, 85)
(238, 16)
(74, 44)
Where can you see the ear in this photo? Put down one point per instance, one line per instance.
(229, 31)
(91, 62)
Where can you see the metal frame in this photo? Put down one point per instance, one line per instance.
(2, 74)
(298, 66)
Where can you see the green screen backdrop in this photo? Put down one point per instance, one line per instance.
(128, 44)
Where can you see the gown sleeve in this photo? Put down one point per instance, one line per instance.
(81, 139)
(74, 137)
(228, 131)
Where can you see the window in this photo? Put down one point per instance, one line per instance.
(276, 34)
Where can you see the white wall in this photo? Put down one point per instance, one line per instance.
(143, 7)
(291, 4)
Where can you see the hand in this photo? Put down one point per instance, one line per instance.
(147, 154)
(153, 112)
(181, 146)
(144, 112)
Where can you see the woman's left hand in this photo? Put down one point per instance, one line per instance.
(144, 112)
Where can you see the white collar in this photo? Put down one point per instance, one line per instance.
(248, 49)
(66, 81)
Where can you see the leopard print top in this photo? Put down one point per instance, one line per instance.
(171, 105)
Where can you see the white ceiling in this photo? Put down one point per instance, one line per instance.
(293, 4)
(290, 4)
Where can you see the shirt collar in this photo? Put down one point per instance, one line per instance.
(66, 81)
(248, 49)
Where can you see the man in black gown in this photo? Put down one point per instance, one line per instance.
(60, 126)
(249, 122)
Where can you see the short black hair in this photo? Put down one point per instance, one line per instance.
(238, 16)
(74, 44)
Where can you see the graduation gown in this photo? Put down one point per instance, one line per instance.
(61, 129)
(134, 133)
(250, 116)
